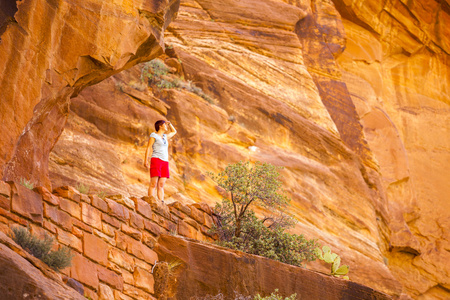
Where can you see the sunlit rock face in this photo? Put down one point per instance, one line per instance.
(50, 51)
(352, 98)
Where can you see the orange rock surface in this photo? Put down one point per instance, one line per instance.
(352, 97)
(49, 52)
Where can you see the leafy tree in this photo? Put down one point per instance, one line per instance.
(251, 184)
(240, 229)
(258, 239)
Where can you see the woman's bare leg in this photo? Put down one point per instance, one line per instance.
(160, 188)
(152, 186)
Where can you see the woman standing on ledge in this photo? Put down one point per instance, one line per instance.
(158, 149)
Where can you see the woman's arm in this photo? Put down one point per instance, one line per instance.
(172, 132)
(148, 151)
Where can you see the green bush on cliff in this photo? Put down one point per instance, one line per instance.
(275, 296)
(41, 248)
(240, 229)
(155, 72)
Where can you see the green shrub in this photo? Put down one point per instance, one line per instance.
(250, 184)
(41, 248)
(258, 239)
(240, 229)
(238, 296)
(275, 296)
(101, 194)
(83, 189)
(26, 183)
(155, 71)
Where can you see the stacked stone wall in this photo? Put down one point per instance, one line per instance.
(112, 238)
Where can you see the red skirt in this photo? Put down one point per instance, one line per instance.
(159, 168)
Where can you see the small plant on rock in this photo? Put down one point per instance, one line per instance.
(83, 189)
(275, 296)
(26, 183)
(157, 73)
(333, 259)
(41, 248)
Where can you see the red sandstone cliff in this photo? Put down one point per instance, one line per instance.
(351, 97)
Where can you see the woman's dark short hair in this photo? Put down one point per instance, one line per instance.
(158, 124)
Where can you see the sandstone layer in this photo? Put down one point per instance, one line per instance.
(49, 52)
(327, 90)
(352, 97)
(236, 273)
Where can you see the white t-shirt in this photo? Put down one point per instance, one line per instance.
(160, 146)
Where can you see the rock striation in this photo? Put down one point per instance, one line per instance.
(352, 97)
(327, 90)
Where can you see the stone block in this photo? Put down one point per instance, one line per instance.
(90, 294)
(203, 207)
(181, 207)
(49, 226)
(105, 292)
(84, 271)
(192, 222)
(144, 209)
(117, 210)
(134, 233)
(5, 202)
(127, 277)
(135, 292)
(122, 200)
(108, 239)
(47, 196)
(5, 189)
(136, 220)
(108, 230)
(176, 212)
(77, 232)
(81, 225)
(112, 221)
(152, 227)
(95, 248)
(71, 207)
(68, 192)
(121, 296)
(197, 215)
(27, 203)
(121, 259)
(110, 277)
(13, 217)
(59, 217)
(148, 239)
(68, 239)
(209, 221)
(144, 280)
(143, 265)
(85, 198)
(122, 240)
(77, 286)
(91, 215)
(99, 203)
(172, 227)
(141, 251)
(187, 230)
